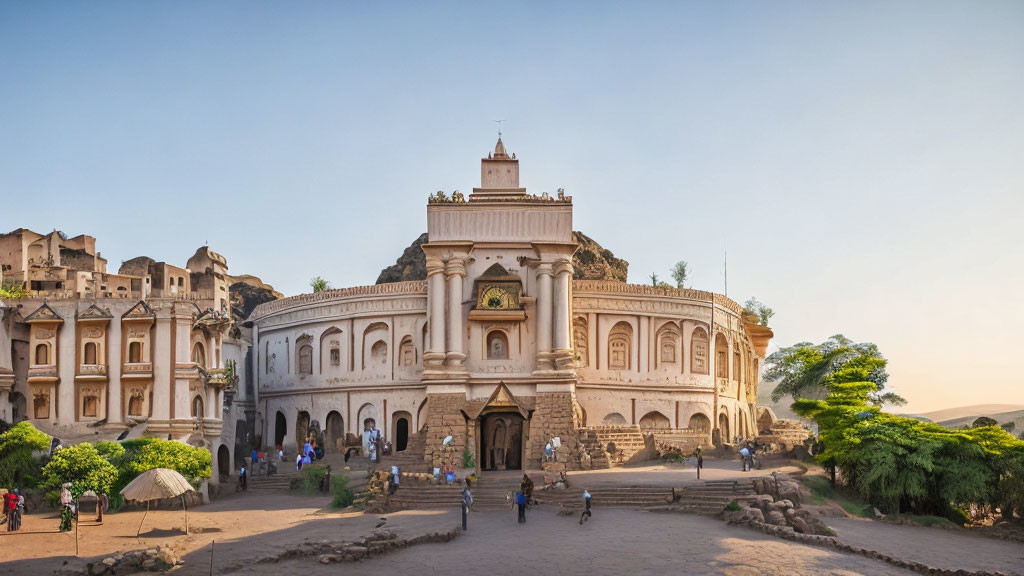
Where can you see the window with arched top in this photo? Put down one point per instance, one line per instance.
(379, 353)
(721, 357)
(668, 343)
(197, 407)
(699, 351)
(306, 359)
(42, 354)
(407, 352)
(89, 354)
(199, 354)
(497, 345)
(620, 347)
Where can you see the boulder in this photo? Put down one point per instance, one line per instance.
(166, 556)
(800, 526)
(776, 518)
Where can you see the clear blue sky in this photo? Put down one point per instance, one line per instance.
(862, 163)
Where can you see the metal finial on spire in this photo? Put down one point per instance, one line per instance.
(499, 127)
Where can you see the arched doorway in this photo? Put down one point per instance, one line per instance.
(700, 423)
(400, 424)
(501, 441)
(301, 429)
(723, 427)
(280, 429)
(223, 460)
(334, 431)
(654, 420)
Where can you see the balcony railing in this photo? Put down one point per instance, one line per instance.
(42, 372)
(92, 370)
(137, 369)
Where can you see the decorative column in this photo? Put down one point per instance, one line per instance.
(163, 370)
(562, 309)
(544, 273)
(434, 358)
(114, 348)
(211, 351)
(456, 272)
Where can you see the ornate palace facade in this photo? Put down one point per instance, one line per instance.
(500, 346)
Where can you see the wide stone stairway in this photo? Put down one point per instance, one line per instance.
(712, 496)
(611, 446)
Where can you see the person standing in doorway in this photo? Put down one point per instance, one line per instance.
(467, 502)
(585, 516)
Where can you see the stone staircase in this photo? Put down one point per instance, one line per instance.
(410, 459)
(492, 493)
(611, 446)
(277, 481)
(711, 497)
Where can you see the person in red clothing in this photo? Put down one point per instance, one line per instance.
(11, 508)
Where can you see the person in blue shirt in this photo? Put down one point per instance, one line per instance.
(521, 502)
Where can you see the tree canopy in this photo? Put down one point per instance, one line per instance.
(82, 466)
(757, 308)
(807, 370)
(680, 273)
(318, 284)
(902, 464)
(18, 464)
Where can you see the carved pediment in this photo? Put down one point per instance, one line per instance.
(94, 312)
(43, 314)
(140, 311)
(501, 400)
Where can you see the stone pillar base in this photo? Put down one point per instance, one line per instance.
(555, 415)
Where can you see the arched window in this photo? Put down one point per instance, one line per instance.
(407, 352)
(668, 342)
(579, 341)
(497, 345)
(135, 352)
(42, 354)
(89, 356)
(614, 419)
(620, 347)
(135, 404)
(699, 351)
(197, 407)
(721, 357)
(199, 354)
(379, 352)
(306, 359)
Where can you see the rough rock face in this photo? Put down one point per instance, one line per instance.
(411, 265)
(591, 261)
(248, 292)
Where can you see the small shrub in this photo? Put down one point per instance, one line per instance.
(674, 457)
(732, 506)
(343, 495)
(312, 477)
(468, 459)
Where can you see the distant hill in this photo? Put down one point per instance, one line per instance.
(969, 412)
(1016, 416)
(781, 408)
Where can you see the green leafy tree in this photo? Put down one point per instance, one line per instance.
(806, 370)
(681, 272)
(318, 284)
(109, 450)
(763, 313)
(20, 463)
(82, 466)
(654, 279)
(902, 464)
(191, 462)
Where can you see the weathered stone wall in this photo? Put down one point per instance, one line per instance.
(555, 415)
(444, 417)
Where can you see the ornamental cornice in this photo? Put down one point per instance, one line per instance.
(328, 311)
(415, 287)
(612, 287)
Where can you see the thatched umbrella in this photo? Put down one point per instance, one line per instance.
(157, 484)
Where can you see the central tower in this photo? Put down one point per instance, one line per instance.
(499, 282)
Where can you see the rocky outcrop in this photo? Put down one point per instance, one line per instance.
(411, 265)
(594, 262)
(591, 262)
(248, 292)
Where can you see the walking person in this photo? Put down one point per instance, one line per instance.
(467, 502)
(242, 484)
(66, 503)
(527, 488)
(521, 502)
(102, 503)
(11, 509)
(586, 515)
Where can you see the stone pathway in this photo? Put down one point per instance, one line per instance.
(948, 549)
(615, 542)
